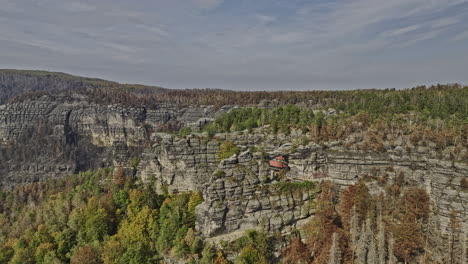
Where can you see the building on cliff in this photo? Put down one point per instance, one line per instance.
(278, 163)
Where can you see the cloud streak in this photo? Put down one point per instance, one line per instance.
(263, 44)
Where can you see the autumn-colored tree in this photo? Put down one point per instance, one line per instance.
(409, 241)
(119, 176)
(319, 231)
(416, 202)
(250, 254)
(355, 196)
(297, 252)
(220, 259)
(86, 254)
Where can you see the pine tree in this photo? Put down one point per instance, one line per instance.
(335, 251)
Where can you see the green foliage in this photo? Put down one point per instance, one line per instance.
(208, 254)
(134, 162)
(185, 131)
(219, 173)
(120, 199)
(96, 221)
(6, 253)
(280, 118)
(445, 105)
(91, 223)
(255, 247)
(227, 149)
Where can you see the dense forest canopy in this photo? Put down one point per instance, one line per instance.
(107, 217)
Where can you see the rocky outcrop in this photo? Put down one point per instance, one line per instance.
(441, 178)
(103, 123)
(181, 164)
(65, 133)
(239, 193)
(242, 195)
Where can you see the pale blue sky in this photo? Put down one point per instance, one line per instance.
(241, 44)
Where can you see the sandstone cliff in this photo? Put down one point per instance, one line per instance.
(56, 135)
(240, 192)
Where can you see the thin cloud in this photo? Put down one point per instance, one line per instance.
(461, 36)
(208, 4)
(402, 31)
(238, 44)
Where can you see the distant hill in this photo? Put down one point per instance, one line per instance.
(15, 82)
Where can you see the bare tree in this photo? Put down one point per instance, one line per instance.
(463, 242)
(371, 249)
(335, 251)
(354, 231)
(361, 247)
(381, 250)
(391, 246)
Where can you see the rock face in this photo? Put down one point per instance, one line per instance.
(441, 179)
(103, 123)
(239, 194)
(238, 197)
(55, 136)
(65, 134)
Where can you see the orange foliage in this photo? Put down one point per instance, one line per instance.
(297, 252)
(86, 254)
(119, 176)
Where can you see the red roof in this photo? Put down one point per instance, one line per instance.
(279, 162)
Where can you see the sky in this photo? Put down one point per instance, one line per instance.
(241, 44)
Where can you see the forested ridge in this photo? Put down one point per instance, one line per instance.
(110, 215)
(18, 82)
(439, 100)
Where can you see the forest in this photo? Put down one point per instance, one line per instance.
(103, 216)
(437, 101)
(108, 215)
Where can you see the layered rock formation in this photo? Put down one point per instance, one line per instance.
(57, 135)
(239, 192)
(241, 196)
